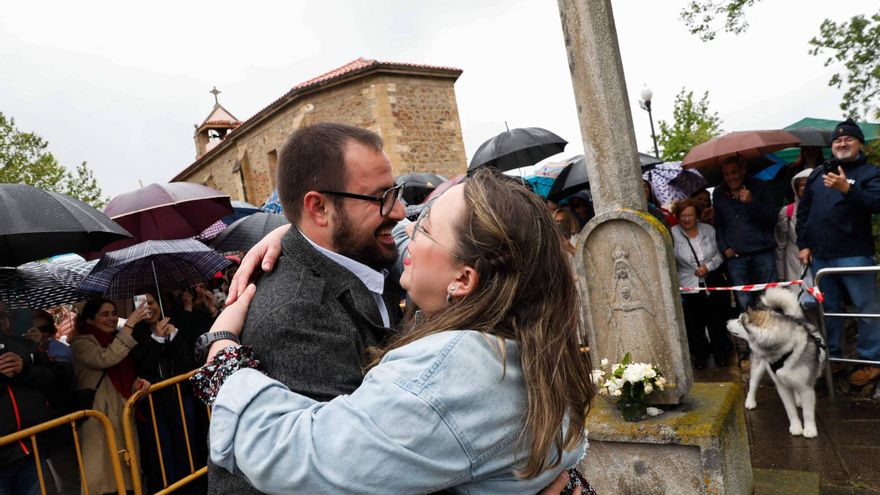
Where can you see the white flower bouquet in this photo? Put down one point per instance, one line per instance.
(628, 384)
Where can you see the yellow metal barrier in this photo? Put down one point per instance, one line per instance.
(71, 419)
(127, 424)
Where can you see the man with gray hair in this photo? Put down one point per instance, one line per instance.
(834, 231)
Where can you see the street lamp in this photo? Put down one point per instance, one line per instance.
(645, 103)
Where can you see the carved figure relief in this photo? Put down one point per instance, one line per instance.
(630, 305)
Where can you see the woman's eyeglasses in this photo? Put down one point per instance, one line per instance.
(386, 201)
(417, 228)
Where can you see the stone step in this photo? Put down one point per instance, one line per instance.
(785, 482)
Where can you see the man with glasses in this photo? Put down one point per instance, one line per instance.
(834, 230)
(329, 297)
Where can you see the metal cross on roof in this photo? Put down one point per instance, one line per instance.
(215, 92)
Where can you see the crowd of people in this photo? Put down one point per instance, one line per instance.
(52, 368)
(480, 385)
(739, 235)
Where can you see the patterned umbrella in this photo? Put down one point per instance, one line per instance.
(163, 265)
(43, 285)
(212, 231)
(272, 204)
(670, 183)
(244, 233)
(36, 224)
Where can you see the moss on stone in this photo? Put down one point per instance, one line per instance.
(700, 418)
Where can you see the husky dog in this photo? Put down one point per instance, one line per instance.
(784, 344)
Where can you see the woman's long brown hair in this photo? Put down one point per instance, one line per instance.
(526, 293)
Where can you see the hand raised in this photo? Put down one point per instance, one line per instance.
(263, 255)
(836, 181)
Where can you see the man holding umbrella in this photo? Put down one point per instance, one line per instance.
(745, 218)
(834, 230)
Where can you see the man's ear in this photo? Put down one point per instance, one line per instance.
(317, 207)
(466, 281)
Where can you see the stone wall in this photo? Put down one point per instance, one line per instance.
(417, 118)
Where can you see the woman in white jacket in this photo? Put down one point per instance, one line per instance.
(696, 256)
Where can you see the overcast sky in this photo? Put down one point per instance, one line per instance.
(120, 85)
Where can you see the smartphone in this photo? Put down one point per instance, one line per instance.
(830, 166)
(139, 299)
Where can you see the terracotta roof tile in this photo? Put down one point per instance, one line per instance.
(363, 63)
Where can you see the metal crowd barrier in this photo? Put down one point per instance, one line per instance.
(71, 419)
(128, 425)
(817, 280)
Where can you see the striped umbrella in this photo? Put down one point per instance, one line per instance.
(43, 285)
(159, 265)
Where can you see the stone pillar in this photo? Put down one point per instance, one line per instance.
(625, 259)
(632, 303)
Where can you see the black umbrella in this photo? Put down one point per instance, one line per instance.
(517, 148)
(36, 224)
(418, 186)
(573, 177)
(243, 234)
(812, 136)
(648, 161)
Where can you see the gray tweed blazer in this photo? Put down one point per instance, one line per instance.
(310, 323)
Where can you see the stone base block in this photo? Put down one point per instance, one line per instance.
(699, 447)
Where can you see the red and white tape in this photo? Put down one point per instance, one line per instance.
(756, 287)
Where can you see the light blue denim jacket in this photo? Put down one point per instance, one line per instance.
(440, 412)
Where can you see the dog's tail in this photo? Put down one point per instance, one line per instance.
(782, 300)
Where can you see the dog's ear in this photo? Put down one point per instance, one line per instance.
(756, 316)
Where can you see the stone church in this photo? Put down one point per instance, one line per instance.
(411, 106)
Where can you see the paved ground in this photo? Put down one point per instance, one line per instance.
(846, 454)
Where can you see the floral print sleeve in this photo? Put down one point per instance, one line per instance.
(206, 382)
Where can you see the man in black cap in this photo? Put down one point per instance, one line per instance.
(834, 230)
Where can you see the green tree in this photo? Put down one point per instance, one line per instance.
(699, 16)
(693, 124)
(856, 46)
(24, 159)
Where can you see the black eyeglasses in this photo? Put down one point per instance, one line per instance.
(386, 201)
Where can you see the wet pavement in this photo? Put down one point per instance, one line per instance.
(846, 454)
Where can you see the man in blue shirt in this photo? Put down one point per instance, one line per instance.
(834, 230)
(745, 218)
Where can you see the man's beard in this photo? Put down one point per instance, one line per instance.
(367, 251)
(846, 155)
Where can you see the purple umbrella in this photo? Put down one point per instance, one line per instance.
(167, 211)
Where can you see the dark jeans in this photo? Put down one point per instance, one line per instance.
(702, 313)
(20, 477)
(759, 268)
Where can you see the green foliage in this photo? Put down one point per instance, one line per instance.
(699, 17)
(24, 159)
(693, 124)
(855, 45)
